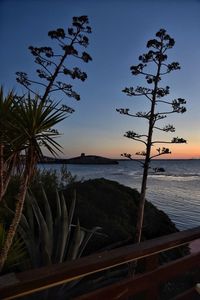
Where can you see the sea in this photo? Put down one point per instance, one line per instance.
(175, 191)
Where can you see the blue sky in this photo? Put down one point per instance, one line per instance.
(120, 30)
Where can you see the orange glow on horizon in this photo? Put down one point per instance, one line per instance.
(177, 152)
(114, 150)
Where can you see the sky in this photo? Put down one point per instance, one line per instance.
(120, 31)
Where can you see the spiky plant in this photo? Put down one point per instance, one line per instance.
(50, 234)
(17, 253)
(33, 122)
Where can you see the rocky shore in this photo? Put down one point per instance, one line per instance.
(113, 207)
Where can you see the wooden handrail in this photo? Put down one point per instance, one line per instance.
(17, 284)
(131, 286)
(190, 294)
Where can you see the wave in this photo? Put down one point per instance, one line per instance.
(118, 173)
(125, 172)
(161, 176)
(176, 175)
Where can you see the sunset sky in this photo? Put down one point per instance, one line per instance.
(120, 30)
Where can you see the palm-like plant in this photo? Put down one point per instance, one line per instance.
(7, 156)
(32, 120)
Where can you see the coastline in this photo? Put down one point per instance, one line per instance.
(80, 160)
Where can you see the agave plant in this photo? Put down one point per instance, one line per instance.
(49, 234)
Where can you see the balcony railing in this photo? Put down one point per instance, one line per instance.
(14, 285)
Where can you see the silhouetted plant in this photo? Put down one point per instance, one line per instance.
(49, 232)
(27, 129)
(29, 120)
(156, 58)
(52, 62)
(52, 235)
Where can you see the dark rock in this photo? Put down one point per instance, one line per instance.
(113, 207)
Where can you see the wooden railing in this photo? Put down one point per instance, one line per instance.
(14, 285)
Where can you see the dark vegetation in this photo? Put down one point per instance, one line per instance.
(27, 122)
(112, 206)
(99, 203)
(102, 217)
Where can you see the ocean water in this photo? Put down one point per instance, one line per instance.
(176, 191)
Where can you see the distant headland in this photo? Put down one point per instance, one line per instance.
(80, 160)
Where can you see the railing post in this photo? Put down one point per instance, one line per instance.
(152, 263)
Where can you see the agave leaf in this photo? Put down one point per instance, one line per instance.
(72, 208)
(62, 227)
(88, 236)
(56, 231)
(23, 229)
(71, 215)
(24, 222)
(27, 231)
(58, 206)
(30, 215)
(11, 212)
(48, 219)
(31, 245)
(17, 252)
(43, 231)
(75, 243)
(64, 206)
